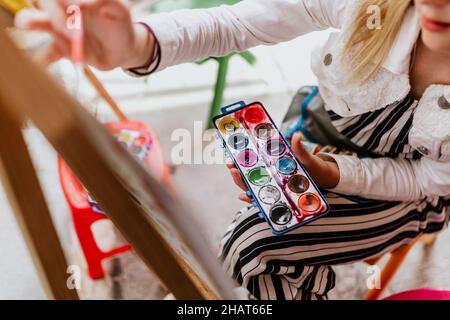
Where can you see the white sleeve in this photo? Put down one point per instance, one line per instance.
(189, 35)
(393, 179)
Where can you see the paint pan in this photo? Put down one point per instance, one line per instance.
(264, 131)
(298, 184)
(140, 141)
(286, 166)
(275, 148)
(309, 203)
(259, 176)
(247, 158)
(238, 141)
(254, 115)
(280, 214)
(228, 125)
(269, 195)
(137, 150)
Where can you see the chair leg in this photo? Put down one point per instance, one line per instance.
(389, 270)
(428, 239)
(373, 261)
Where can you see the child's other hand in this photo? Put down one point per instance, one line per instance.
(110, 38)
(323, 171)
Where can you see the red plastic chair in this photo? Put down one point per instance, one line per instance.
(85, 212)
(421, 294)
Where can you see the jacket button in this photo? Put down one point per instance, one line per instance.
(423, 150)
(328, 59)
(443, 103)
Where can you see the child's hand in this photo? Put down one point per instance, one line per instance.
(324, 171)
(236, 175)
(110, 38)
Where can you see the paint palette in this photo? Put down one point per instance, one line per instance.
(278, 184)
(137, 142)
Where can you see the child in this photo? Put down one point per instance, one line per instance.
(386, 89)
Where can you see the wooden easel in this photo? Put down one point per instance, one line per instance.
(151, 219)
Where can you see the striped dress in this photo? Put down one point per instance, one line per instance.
(298, 265)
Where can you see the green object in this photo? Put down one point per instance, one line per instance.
(259, 176)
(219, 89)
(221, 81)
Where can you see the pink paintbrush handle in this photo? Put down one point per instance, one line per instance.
(77, 39)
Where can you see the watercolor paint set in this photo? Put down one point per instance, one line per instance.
(278, 184)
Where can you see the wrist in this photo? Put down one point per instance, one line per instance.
(335, 175)
(142, 49)
(333, 171)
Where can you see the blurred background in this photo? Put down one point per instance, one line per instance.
(175, 99)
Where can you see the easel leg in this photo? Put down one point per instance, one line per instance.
(30, 208)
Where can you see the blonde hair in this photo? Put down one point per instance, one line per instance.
(370, 47)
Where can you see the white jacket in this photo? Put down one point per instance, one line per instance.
(188, 35)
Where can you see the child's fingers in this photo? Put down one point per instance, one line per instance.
(237, 178)
(56, 11)
(33, 19)
(300, 151)
(245, 198)
(230, 165)
(48, 55)
(114, 10)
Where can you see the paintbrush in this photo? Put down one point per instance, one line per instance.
(78, 60)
